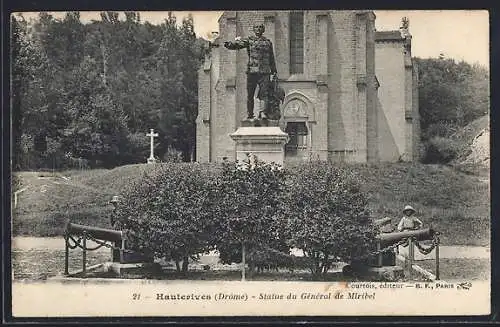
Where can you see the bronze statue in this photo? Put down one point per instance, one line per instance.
(261, 71)
(275, 99)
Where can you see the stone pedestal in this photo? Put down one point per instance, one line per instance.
(124, 270)
(385, 273)
(264, 139)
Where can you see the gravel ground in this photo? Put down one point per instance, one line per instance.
(41, 258)
(43, 263)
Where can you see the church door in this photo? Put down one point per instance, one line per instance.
(297, 144)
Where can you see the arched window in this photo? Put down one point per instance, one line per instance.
(296, 42)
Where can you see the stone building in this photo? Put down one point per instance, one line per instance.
(340, 104)
(398, 117)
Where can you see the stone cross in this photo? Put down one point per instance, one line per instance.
(152, 134)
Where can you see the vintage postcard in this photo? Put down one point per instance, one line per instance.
(250, 163)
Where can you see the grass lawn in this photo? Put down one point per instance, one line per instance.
(455, 203)
(450, 201)
(52, 199)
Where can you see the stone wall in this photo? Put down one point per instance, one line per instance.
(391, 75)
(417, 143)
(399, 128)
(203, 119)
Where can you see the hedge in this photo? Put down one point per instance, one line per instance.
(178, 211)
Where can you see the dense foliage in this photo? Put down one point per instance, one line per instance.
(84, 95)
(182, 210)
(248, 203)
(451, 95)
(169, 213)
(326, 215)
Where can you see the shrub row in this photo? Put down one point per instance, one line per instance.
(178, 211)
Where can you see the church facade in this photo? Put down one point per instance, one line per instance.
(350, 91)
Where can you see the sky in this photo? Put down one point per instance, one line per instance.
(458, 34)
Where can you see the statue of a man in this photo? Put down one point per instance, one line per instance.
(261, 67)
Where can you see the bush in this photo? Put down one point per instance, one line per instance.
(137, 148)
(168, 213)
(180, 210)
(441, 150)
(442, 129)
(248, 206)
(326, 215)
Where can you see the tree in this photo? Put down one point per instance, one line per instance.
(98, 129)
(451, 95)
(18, 32)
(249, 196)
(33, 93)
(191, 57)
(63, 40)
(451, 92)
(132, 74)
(327, 215)
(178, 54)
(169, 212)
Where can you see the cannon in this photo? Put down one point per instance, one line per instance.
(387, 239)
(114, 239)
(387, 259)
(94, 232)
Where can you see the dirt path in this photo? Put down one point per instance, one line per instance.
(36, 258)
(453, 252)
(25, 243)
(445, 251)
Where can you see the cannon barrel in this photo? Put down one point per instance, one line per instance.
(419, 234)
(383, 221)
(95, 232)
